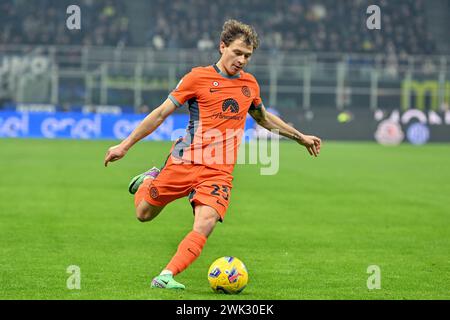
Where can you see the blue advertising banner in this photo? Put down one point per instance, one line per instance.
(72, 125)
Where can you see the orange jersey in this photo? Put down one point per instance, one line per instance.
(218, 105)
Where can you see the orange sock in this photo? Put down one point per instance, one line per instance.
(188, 250)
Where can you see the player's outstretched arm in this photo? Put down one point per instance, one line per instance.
(146, 127)
(270, 122)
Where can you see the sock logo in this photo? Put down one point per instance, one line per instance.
(193, 252)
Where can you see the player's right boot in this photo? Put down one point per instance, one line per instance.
(137, 180)
(166, 281)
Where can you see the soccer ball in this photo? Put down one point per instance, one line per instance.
(228, 275)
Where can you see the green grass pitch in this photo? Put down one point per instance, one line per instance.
(308, 232)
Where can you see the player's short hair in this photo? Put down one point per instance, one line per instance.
(233, 29)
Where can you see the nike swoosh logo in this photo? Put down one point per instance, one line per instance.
(220, 203)
(213, 90)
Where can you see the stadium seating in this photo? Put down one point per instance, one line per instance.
(302, 25)
(44, 22)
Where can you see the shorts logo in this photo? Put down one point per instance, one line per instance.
(154, 192)
(246, 91)
(220, 203)
(230, 104)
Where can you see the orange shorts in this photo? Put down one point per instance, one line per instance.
(202, 184)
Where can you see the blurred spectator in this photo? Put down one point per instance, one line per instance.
(300, 25)
(205, 43)
(44, 22)
(429, 67)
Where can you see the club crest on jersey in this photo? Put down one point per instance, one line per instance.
(230, 104)
(154, 192)
(215, 84)
(246, 91)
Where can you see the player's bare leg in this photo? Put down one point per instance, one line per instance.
(189, 249)
(146, 211)
(205, 219)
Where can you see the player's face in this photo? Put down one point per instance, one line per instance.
(235, 56)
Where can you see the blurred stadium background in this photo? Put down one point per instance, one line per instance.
(319, 67)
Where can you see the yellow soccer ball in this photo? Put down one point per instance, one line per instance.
(228, 275)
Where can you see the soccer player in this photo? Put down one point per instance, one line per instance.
(219, 97)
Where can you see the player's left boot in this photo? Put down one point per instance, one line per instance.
(166, 281)
(137, 180)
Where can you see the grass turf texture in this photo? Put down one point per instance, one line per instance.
(309, 232)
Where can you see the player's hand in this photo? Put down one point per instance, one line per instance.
(114, 153)
(311, 143)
